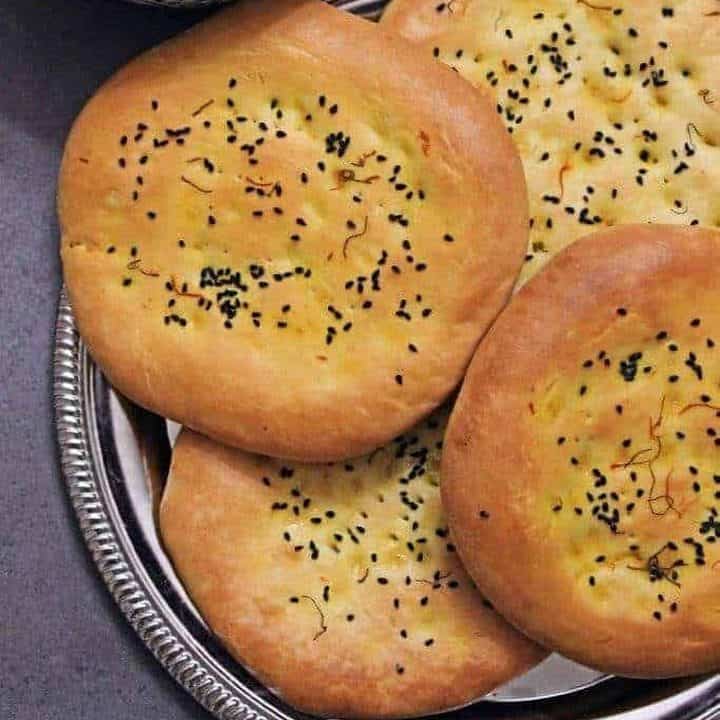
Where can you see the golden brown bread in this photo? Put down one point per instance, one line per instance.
(337, 585)
(614, 106)
(263, 227)
(581, 470)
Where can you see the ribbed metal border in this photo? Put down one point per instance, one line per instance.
(179, 4)
(101, 537)
(366, 8)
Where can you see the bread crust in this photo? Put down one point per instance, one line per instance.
(613, 106)
(343, 647)
(278, 380)
(558, 416)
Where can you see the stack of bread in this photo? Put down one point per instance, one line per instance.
(298, 233)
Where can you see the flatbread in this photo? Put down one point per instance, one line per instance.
(338, 585)
(614, 105)
(581, 471)
(263, 227)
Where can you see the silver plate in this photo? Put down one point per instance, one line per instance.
(367, 8)
(181, 4)
(115, 457)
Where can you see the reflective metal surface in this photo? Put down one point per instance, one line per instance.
(179, 3)
(115, 458)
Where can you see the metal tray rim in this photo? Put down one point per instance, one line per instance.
(140, 601)
(110, 552)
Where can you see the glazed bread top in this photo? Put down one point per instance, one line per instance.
(614, 106)
(337, 585)
(287, 230)
(581, 471)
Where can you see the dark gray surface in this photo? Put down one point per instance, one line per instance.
(65, 651)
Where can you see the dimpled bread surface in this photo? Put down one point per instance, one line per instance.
(614, 106)
(272, 239)
(337, 585)
(581, 470)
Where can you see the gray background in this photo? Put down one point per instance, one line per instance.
(65, 651)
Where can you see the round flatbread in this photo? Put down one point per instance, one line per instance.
(337, 585)
(262, 228)
(614, 105)
(581, 472)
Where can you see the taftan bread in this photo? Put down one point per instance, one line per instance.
(614, 106)
(581, 470)
(272, 239)
(338, 585)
